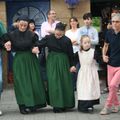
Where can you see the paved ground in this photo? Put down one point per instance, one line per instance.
(11, 112)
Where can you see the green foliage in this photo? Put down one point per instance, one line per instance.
(97, 23)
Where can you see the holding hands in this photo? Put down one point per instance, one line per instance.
(73, 69)
(35, 50)
(105, 58)
(7, 45)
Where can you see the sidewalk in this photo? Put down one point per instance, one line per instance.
(11, 111)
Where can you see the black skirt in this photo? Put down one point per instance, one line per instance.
(83, 105)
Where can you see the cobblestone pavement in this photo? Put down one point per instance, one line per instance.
(11, 111)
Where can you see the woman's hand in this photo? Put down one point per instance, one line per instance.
(35, 50)
(7, 46)
(73, 69)
(74, 42)
(105, 58)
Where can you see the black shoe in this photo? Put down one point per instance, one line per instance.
(63, 109)
(84, 110)
(31, 110)
(23, 111)
(57, 110)
(28, 110)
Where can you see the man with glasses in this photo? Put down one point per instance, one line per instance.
(48, 26)
(112, 41)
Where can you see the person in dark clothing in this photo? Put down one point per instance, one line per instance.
(59, 65)
(2, 31)
(112, 41)
(28, 86)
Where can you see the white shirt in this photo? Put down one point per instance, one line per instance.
(74, 36)
(47, 26)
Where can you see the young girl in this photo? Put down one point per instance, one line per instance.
(88, 88)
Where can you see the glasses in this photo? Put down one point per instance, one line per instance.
(115, 21)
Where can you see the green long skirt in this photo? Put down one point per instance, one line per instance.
(60, 89)
(29, 88)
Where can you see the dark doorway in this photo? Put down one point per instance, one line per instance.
(36, 10)
(103, 8)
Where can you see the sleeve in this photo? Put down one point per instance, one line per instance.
(42, 42)
(94, 38)
(107, 37)
(43, 30)
(4, 38)
(38, 34)
(76, 57)
(70, 53)
(35, 39)
(78, 36)
(98, 55)
(67, 33)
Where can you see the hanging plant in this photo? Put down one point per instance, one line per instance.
(72, 2)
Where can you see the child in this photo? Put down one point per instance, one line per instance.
(88, 88)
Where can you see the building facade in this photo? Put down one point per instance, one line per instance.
(9, 7)
(37, 9)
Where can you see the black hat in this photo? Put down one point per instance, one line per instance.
(61, 26)
(17, 19)
(24, 18)
(31, 21)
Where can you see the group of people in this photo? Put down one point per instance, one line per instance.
(70, 64)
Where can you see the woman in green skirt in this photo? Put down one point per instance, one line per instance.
(29, 88)
(59, 65)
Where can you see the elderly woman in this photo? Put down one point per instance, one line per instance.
(59, 65)
(29, 89)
